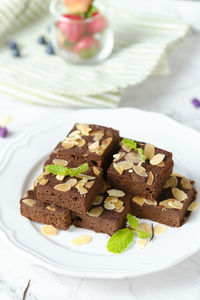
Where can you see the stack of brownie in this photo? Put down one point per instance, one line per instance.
(117, 182)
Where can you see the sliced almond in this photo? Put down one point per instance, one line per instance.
(171, 182)
(138, 200)
(68, 144)
(98, 136)
(48, 230)
(85, 155)
(89, 184)
(157, 159)
(81, 143)
(116, 193)
(60, 177)
(29, 202)
(119, 210)
(133, 157)
(97, 200)
(150, 202)
(43, 181)
(145, 227)
(96, 170)
(141, 242)
(95, 212)
(125, 148)
(74, 133)
(161, 165)
(139, 170)
(149, 151)
(88, 177)
(72, 182)
(179, 195)
(176, 204)
(119, 204)
(159, 229)
(111, 199)
(81, 189)
(51, 208)
(95, 132)
(62, 187)
(118, 168)
(193, 206)
(118, 156)
(150, 178)
(106, 143)
(94, 146)
(82, 240)
(165, 203)
(186, 183)
(126, 165)
(84, 129)
(109, 205)
(60, 162)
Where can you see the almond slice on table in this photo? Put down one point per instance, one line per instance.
(157, 159)
(179, 195)
(146, 227)
(48, 230)
(159, 229)
(82, 240)
(149, 151)
(141, 242)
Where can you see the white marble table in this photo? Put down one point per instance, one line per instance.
(170, 95)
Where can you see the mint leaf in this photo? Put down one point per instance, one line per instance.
(143, 234)
(141, 154)
(56, 169)
(64, 171)
(90, 12)
(120, 240)
(130, 143)
(133, 222)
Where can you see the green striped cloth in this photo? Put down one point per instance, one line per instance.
(141, 43)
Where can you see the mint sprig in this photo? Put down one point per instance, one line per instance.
(133, 145)
(91, 11)
(64, 171)
(120, 240)
(133, 222)
(143, 234)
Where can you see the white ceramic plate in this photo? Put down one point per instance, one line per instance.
(23, 160)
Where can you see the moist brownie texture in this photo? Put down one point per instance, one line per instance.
(170, 208)
(93, 144)
(145, 179)
(44, 213)
(108, 213)
(76, 193)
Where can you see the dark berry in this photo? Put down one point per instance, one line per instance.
(15, 52)
(42, 40)
(12, 44)
(49, 49)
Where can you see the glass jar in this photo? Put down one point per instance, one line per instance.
(82, 40)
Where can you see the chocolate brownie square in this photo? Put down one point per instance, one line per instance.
(108, 212)
(74, 193)
(44, 213)
(171, 205)
(93, 144)
(135, 176)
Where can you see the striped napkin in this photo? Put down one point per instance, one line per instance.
(141, 43)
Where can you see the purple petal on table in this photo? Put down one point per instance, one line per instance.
(196, 102)
(3, 132)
